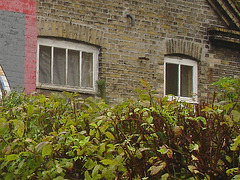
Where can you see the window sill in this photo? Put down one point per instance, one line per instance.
(66, 88)
(192, 100)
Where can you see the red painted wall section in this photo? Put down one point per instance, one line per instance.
(27, 7)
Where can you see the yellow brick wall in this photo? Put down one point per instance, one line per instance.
(159, 26)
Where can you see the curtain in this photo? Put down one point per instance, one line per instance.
(87, 70)
(45, 64)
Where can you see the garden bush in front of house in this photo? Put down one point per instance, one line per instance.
(66, 137)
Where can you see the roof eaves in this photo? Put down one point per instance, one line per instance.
(229, 13)
(224, 37)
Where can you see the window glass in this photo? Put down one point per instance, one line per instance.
(73, 75)
(45, 64)
(186, 81)
(87, 70)
(65, 65)
(172, 79)
(59, 65)
(181, 78)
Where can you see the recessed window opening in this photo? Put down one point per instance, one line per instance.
(66, 64)
(180, 78)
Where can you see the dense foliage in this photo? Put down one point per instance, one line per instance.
(66, 137)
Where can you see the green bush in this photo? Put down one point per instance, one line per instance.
(66, 137)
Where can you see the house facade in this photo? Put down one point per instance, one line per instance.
(180, 47)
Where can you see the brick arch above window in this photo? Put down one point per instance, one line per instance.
(188, 48)
(68, 30)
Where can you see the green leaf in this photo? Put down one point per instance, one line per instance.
(87, 176)
(234, 146)
(41, 145)
(236, 115)
(194, 158)
(193, 147)
(12, 157)
(106, 161)
(164, 149)
(136, 110)
(232, 171)
(150, 119)
(102, 148)
(111, 146)
(228, 106)
(110, 135)
(237, 177)
(109, 114)
(99, 122)
(19, 126)
(202, 119)
(229, 120)
(139, 154)
(92, 132)
(89, 164)
(9, 176)
(73, 128)
(30, 110)
(47, 150)
(228, 158)
(3, 126)
(59, 169)
(165, 176)
(85, 141)
(193, 169)
(68, 164)
(95, 170)
(106, 173)
(156, 169)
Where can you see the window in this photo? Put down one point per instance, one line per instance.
(181, 78)
(65, 65)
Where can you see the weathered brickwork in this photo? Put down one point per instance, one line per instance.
(135, 35)
(224, 62)
(18, 40)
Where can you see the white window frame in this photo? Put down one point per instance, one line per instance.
(182, 61)
(72, 46)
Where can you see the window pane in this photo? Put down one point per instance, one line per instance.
(87, 70)
(172, 79)
(44, 64)
(59, 66)
(73, 68)
(186, 81)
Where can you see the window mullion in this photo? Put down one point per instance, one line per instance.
(80, 69)
(38, 64)
(66, 82)
(179, 80)
(165, 78)
(93, 75)
(52, 63)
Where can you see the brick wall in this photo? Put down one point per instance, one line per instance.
(18, 39)
(220, 62)
(133, 52)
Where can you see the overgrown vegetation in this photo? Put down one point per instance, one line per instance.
(65, 137)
